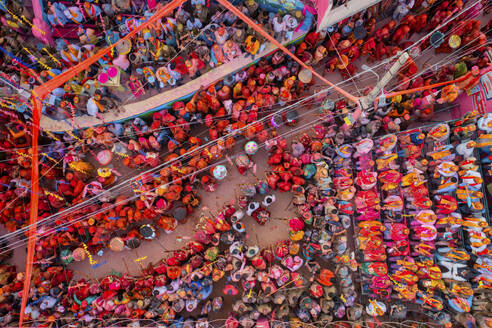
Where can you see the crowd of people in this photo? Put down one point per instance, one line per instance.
(412, 200)
(199, 36)
(178, 48)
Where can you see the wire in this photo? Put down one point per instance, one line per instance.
(79, 219)
(318, 93)
(90, 214)
(24, 229)
(421, 40)
(19, 243)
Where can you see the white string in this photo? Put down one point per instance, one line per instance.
(19, 243)
(357, 74)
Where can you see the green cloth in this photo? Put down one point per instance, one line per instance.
(66, 256)
(460, 69)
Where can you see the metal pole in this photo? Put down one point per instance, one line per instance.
(367, 101)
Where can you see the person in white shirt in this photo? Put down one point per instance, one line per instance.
(92, 108)
(193, 23)
(221, 36)
(278, 28)
(290, 26)
(403, 9)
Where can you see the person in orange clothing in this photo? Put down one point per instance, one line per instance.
(251, 45)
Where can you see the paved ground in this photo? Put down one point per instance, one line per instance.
(211, 203)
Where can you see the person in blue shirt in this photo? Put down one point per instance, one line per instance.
(193, 23)
(208, 37)
(116, 128)
(171, 40)
(56, 15)
(196, 2)
(174, 73)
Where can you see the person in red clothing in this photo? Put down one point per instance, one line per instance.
(180, 65)
(194, 65)
(312, 39)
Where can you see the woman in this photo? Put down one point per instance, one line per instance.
(231, 50)
(216, 56)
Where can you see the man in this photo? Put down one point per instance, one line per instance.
(221, 36)
(87, 35)
(193, 23)
(180, 32)
(92, 107)
(194, 64)
(93, 11)
(251, 46)
(402, 10)
(203, 53)
(208, 37)
(56, 14)
(175, 75)
(201, 13)
(70, 53)
(198, 3)
(73, 13)
(231, 50)
(182, 16)
(168, 53)
(121, 6)
(229, 18)
(252, 7)
(239, 36)
(171, 40)
(278, 28)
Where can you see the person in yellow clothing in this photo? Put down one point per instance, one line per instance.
(252, 45)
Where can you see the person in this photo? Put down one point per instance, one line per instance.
(221, 36)
(231, 50)
(194, 64)
(402, 9)
(252, 45)
(278, 28)
(93, 107)
(121, 5)
(168, 53)
(193, 23)
(291, 24)
(56, 14)
(216, 56)
(201, 12)
(252, 7)
(239, 35)
(92, 11)
(175, 75)
(171, 40)
(75, 14)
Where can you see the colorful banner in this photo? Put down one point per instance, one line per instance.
(486, 81)
(479, 103)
